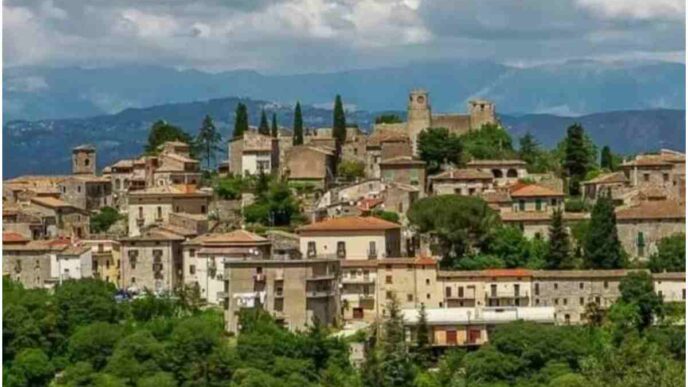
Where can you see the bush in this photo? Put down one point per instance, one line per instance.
(576, 205)
(389, 216)
(102, 221)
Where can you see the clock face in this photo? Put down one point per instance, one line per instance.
(420, 99)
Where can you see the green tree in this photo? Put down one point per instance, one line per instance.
(136, 355)
(438, 147)
(602, 248)
(422, 350)
(606, 159)
(273, 128)
(263, 128)
(240, 121)
(670, 255)
(528, 149)
(490, 142)
(339, 123)
(298, 125)
(351, 169)
(457, 224)
(208, 140)
(277, 207)
(162, 132)
(103, 220)
(231, 188)
(637, 289)
(389, 216)
(396, 364)
(32, 367)
(262, 185)
(508, 244)
(388, 119)
(94, 343)
(576, 159)
(558, 247)
(85, 301)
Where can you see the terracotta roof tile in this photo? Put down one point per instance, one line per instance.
(661, 209)
(496, 197)
(579, 273)
(464, 174)
(13, 237)
(507, 273)
(534, 190)
(545, 216)
(608, 178)
(234, 237)
(487, 163)
(350, 223)
(50, 202)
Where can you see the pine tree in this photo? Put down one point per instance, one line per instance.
(274, 129)
(576, 158)
(606, 159)
(339, 122)
(602, 248)
(422, 337)
(528, 149)
(262, 186)
(558, 246)
(240, 121)
(208, 140)
(397, 367)
(298, 125)
(263, 128)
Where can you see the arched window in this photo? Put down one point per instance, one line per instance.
(497, 173)
(511, 173)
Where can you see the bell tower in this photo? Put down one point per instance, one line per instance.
(84, 160)
(419, 115)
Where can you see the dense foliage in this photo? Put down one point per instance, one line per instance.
(390, 118)
(162, 132)
(104, 219)
(490, 142)
(240, 121)
(602, 248)
(439, 148)
(208, 141)
(351, 170)
(274, 205)
(263, 127)
(670, 255)
(298, 125)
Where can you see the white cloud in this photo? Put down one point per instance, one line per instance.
(636, 9)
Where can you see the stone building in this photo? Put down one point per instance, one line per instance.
(106, 255)
(84, 160)
(461, 288)
(310, 165)
(536, 224)
(154, 205)
(17, 220)
(59, 218)
(642, 226)
(569, 291)
(88, 192)
(357, 238)
(174, 165)
(294, 291)
(152, 261)
(464, 181)
(420, 117)
(603, 185)
(393, 143)
(252, 153)
(22, 189)
(535, 198)
(412, 281)
(358, 290)
(404, 170)
(670, 286)
(505, 172)
(204, 258)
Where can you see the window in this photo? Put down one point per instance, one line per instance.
(556, 301)
(598, 301)
(389, 295)
(665, 176)
(409, 297)
(192, 253)
(78, 188)
(388, 279)
(460, 291)
(493, 290)
(565, 301)
(341, 249)
(640, 243)
(567, 319)
(203, 210)
(553, 202)
(447, 291)
(372, 250)
(517, 290)
(537, 301)
(427, 281)
(192, 269)
(140, 212)
(580, 285)
(133, 280)
(581, 300)
(538, 205)
(556, 286)
(311, 249)
(427, 296)
(159, 209)
(606, 284)
(646, 176)
(521, 205)
(537, 289)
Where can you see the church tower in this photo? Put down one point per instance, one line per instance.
(419, 115)
(482, 112)
(84, 160)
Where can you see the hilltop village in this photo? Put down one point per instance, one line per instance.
(441, 219)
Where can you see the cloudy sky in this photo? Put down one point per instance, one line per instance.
(296, 36)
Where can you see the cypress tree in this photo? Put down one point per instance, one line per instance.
(576, 158)
(240, 120)
(423, 337)
(528, 149)
(339, 122)
(602, 246)
(558, 246)
(274, 129)
(606, 160)
(208, 140)
(397, 367)
(263, 128)
(298, 125)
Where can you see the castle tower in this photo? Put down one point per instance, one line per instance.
(482, 112)
(419, 115)
(84, 160)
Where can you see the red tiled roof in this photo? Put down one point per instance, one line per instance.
(13, 237)
(50, 202)
(533, 190)
(369, 203)
(660, 209)
(234, 237)
(507, 273)
(350, 223)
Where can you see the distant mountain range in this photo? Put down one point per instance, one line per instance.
(571, 88)
(43, 146)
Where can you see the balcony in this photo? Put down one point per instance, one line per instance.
(140, 221)
(358, 280)
(259, 277)
(321, 277)
(320, 293)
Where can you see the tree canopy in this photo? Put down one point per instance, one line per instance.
(490, 142)
(298, 125)
(670, 255)
(208, 141)
(438, 147)
(162, 132)
(602, 248)
(240, 121)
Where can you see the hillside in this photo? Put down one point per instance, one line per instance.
(572, 88)
(32, 147)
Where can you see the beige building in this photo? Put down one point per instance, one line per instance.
(535, 198)
(404, 170)
(642, 226)
(569, 291)
(412, 281)
(295, 291)
(464, 181)
(670, 286)
(84, 160)
(604, 184)
(153, 206)
(351, 238)
(152, 261)
(307, 164)
(204, 258)
(382, 145)
(359, 290)
(106, 263)
(504, 172)
(59, 218)
(88, 192)
(252, 153)
(536, 224)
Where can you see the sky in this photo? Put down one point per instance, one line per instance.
(299, 36)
